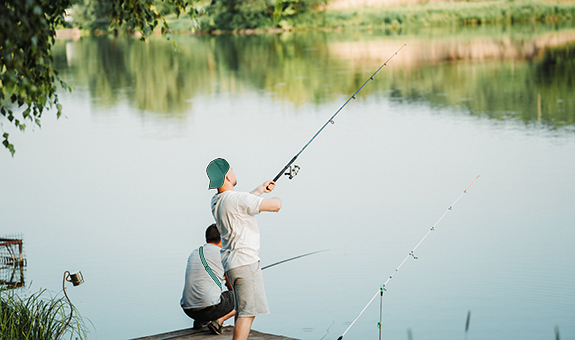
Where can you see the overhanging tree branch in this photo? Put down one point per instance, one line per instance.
(28, 79)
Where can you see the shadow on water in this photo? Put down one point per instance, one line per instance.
(518, 73)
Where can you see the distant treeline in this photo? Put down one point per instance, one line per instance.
(246, 15)
(225, 15)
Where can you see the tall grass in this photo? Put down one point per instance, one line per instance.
(311, 16)
(460, 13)
(38, 317)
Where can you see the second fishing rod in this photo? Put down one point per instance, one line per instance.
(290, 169)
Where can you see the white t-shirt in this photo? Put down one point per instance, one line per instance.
(234, 213)
(200, 290)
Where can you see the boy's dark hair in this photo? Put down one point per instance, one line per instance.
(212, 234)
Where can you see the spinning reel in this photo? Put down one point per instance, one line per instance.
(292, 171)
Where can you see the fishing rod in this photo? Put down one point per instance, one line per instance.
(294, 169)
(411, 254)
(292, 258)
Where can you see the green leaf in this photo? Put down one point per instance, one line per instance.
(26, 113)
(7, 144)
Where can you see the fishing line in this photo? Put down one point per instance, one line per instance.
(411, 254)
(327, 330)
(293, 170)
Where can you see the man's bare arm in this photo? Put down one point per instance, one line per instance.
(271, 204)
(268, 204)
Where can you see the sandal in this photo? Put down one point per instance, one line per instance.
(215, 327)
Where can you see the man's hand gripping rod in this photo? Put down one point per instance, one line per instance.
(293, 170)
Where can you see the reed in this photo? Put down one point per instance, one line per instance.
(460, 13)
(38, 317)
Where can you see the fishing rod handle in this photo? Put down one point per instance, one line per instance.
(280, 174)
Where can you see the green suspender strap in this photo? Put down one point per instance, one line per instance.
(208, 269)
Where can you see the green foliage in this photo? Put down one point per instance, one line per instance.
(248, 14)
(286, 11)
(103, 15)
(27, 29)
(27, 78)
(460, 13)
(144, 16)
(37, 318)
(91, 15)
(233, 15)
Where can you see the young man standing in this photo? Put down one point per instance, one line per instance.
(234, 213)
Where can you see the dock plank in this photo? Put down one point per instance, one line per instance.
(205, 334)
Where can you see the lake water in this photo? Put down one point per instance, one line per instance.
(117, 187)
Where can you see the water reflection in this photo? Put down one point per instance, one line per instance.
(12, 262)
(110, 169)
(520, 73)
(555, 75)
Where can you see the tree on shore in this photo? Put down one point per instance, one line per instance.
(28, 80)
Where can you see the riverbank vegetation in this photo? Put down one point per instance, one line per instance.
(28, 82)
(250, 16)
(28, 29)
(456, 13)
(37, 317)
(312, 15)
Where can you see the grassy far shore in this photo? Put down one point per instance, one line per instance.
(459, 13)
(411, 15)
(392, 17)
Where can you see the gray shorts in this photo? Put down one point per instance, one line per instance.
(249, 293)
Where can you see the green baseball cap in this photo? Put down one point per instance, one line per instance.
(217, 170)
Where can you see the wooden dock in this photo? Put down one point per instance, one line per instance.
(205, 334)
